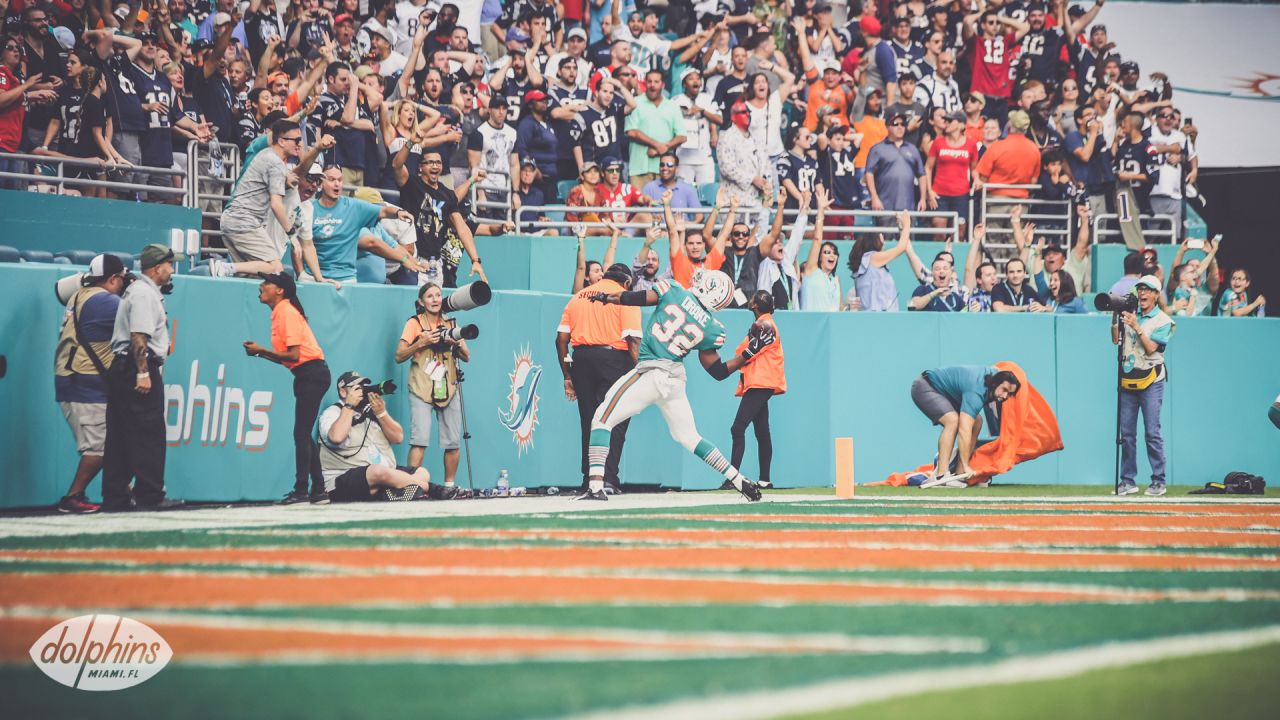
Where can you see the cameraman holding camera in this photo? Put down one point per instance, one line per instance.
(436, 344)
(80, 371)
(356, 457)
(1146, 334)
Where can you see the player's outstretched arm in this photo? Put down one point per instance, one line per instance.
(634, 297)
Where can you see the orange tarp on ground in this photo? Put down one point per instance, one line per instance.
(1028, 429)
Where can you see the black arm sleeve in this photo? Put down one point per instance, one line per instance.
(633, 297)
(719, 371)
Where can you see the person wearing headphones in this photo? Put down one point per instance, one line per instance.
(763, 376)
(294, 346)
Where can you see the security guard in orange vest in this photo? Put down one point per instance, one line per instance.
(605, 341)
(762, 377)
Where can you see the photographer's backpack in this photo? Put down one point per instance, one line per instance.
(1235, 483)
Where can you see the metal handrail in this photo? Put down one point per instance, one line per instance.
(951, 229)
(1171, 233)
(61, 180)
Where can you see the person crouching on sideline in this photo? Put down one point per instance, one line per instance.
(356, 458)
(763, 376)
(1147, 333)
(80, 371)
(433, 381)
(953, 397)
(294, 346)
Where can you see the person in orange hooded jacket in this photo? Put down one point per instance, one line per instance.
(762, 377)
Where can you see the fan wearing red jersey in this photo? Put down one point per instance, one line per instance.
(992, 39)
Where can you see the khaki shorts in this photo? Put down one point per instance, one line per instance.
(88, 423)
(421, 415)
(254, 244)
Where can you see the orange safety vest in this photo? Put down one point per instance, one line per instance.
(765, 370)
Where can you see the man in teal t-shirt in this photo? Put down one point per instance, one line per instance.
(953, 397)
(680, 324)
(338, 222)
(655, 127)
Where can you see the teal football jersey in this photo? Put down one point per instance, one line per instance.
(679, 325)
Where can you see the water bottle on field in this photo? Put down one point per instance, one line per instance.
(504, 483)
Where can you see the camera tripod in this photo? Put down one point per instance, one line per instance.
(1119, 376)
(466, 434)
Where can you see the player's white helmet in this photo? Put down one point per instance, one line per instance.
(713, 289)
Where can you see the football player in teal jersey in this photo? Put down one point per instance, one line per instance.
(681, 323)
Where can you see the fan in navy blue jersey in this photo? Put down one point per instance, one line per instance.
(340, 113)
(513, 80)
(797, 171)
(565, 100)
(907, 53)
(597, 131)
(1136, 160)
(155, 96)
(836, 171)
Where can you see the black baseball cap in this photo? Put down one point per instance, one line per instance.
(349, 378)
(498, 101)
(282, 281)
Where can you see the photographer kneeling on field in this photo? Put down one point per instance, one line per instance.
(356, 457)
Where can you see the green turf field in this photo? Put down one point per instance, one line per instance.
(680, 605)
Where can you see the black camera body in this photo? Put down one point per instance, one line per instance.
(1115, 303)
(386, 387)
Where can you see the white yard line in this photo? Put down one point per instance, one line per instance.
(860, 691)
(304, 514)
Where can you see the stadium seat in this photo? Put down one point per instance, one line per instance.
(707, 193)
(9, 254)
(37, 256)
(78, 257)
(563, 187)
(126, 258)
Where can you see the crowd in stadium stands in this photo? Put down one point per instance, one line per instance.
(901, 106)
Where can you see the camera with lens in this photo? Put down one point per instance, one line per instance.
(365, 409)
(466, 332)
(1115, 303)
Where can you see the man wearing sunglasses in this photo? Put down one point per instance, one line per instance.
(893, 168)
(682, 193)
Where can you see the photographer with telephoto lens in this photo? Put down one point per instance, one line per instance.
(356, 458)
(435, 343)
(1146, 332)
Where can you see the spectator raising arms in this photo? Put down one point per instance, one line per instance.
(876, 289)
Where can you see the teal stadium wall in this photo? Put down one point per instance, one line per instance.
(40, 221)
(849, 375)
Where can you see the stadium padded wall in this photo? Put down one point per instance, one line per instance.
(849, 375)
(40, 221)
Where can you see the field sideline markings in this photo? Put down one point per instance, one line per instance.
(667, 643)
(838, 694)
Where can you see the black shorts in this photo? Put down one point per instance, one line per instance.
(353, 485)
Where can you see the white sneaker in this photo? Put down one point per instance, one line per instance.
(956, 480)
(222, 268)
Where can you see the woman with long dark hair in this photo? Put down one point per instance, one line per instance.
(867, 261)
(294, 346)
(1062, 294)
(763, 376)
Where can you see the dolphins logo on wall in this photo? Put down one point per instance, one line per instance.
(521, 415)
